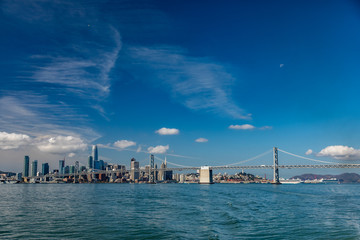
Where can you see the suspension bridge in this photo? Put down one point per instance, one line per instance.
(206, 171)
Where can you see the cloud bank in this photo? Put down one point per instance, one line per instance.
(61, 144)
(340, 152)
(13, 140)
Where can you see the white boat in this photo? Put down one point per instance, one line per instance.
(290, 181)
(331, 180)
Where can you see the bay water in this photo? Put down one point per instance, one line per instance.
(179, 211)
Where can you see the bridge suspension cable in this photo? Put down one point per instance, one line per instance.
(311, 159)
(248, 160)
(178, 165)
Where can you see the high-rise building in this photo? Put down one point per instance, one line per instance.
(101, 165)
(19, 176)
(34, 165)
(164, 174)
(90, 162)
(45, 169)
(66, 170)
(96, 164)
(26, 166)
(134, 169)
(61, 166)
(94, 152)
(72, 169)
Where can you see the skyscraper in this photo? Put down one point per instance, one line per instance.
(34, 165)
(61, 166)
(134, 166)
(94, 153)
(90, 162)
(45, 169)
(26, 166)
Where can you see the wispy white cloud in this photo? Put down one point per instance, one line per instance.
(74, 75)
(124, 144)
(198, 83)
(265, 128)
(201, 140)
(309, 152)
(160, 149)
(340, 152)
(242, 127)
(86, 76)
(167, 131)
(33, 114)
(44, 11)
(281, 65)
(248, 127)
(139, 149)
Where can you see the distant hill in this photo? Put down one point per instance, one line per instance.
(343, 178)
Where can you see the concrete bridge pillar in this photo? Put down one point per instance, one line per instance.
(206, 175)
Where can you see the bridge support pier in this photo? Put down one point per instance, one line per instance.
(276, 167)
(206, 175)
(151, 170)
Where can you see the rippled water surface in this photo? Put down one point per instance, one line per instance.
(179, 211)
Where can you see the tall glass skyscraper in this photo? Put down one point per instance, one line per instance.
(90, 162)
(26, 166)
(34, 165)
(61, 166)
(94, 153)
(45, 169)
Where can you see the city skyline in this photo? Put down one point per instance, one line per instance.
(205, 84)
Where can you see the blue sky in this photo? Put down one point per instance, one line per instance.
(244, 76)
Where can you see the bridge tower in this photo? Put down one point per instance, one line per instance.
(276, 167)
(151, 169)
(206, 175)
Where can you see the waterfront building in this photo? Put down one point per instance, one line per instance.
(34, 166)
(82, 168)
(26, 166)
(95, 152)
(66, 170)
(61, 166)
(19, 176)
(45, 169)
(182, 178)
(134, 169)
(90, 162)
